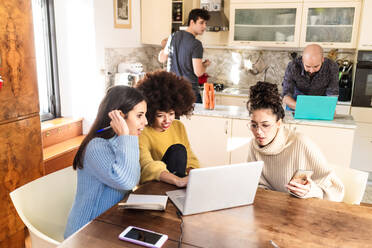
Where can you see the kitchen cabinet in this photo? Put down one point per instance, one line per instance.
(241, 135)
(224, 140)
(336, 143)
(365, 34)
(266, 1)
(157, 18)
(362, 152)
(156, 21)
(343, 109)
(208, 138)
(361, 114)
(332, 24)
(324, 137)
(270, 24)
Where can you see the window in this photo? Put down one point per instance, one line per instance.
(46, 58)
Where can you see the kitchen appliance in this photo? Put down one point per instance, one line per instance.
(218, 20)
(362, 96)
(129, 74)
(345, 80)
(218, 87)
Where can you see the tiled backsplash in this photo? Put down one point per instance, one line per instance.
(227, 64)
(147, 55)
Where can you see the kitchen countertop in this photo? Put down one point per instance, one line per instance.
(236, 112)
(245, 93)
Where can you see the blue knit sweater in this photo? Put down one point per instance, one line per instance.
(111, 168)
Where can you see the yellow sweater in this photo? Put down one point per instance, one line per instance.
(153, 145)
(288, 152)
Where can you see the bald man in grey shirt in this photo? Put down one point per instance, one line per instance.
(311, 74)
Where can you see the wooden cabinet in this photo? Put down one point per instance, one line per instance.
(332, 24)
(21, 162)
(336, 144)
(19, 94)
(270, 24)
(20, 139)
(241, 135)
(61, 138)
(365, 34)
(208, 138)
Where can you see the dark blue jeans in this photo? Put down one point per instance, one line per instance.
(176, 159)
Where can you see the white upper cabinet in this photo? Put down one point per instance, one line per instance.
(332, 24)
(159, 18)
(156, 21)
(265, 24)
(365, 34)
(290, 23)
(266, 1)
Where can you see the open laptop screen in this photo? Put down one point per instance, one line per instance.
(315, 107)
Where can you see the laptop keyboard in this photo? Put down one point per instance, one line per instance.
(181, 200)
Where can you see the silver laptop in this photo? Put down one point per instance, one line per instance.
(219, 187)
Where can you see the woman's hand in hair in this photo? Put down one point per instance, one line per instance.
(118, 123)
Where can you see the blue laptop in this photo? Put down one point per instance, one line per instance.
(315, 107)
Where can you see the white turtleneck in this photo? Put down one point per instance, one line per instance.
(288, 152)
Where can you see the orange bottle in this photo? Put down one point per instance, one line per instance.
(208, 96)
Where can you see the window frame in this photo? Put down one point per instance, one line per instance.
(54, 104)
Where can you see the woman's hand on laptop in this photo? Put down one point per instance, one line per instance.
(170, 178)
(181, 181)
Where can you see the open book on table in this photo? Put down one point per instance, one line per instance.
(146, 202)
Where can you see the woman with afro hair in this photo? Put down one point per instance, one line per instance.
(285, 151)
(165, 152)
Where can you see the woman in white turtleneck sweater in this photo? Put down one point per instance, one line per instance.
(284, 151)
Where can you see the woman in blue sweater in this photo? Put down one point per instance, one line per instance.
(107, 161)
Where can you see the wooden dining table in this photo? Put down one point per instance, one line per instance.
(275, 219)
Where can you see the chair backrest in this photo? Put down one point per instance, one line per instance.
(355, 182)
(44, 205)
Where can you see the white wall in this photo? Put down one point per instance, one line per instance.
(107, 36)
(84, 28)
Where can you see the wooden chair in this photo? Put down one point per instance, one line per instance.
(355, 182)
(44, 205)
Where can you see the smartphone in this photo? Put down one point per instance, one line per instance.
(143, 237)
(301, 176)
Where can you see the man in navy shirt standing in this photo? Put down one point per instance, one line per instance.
(185, 53)
(311, 74)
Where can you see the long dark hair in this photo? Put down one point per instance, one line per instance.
(265, 95)
(119, 97)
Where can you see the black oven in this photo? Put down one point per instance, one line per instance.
(362, 96)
